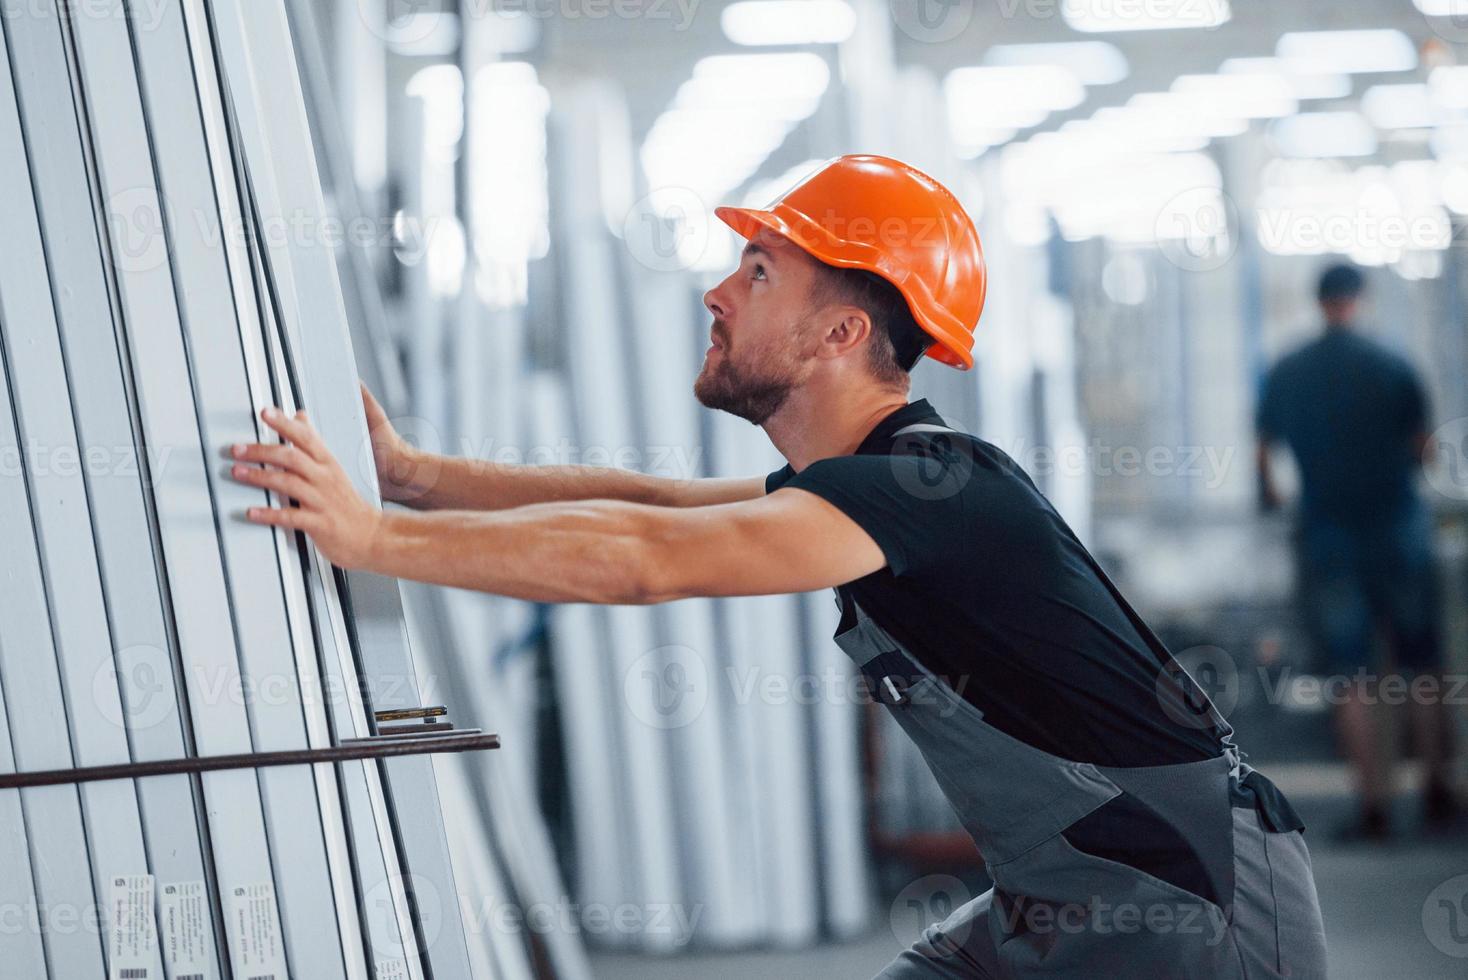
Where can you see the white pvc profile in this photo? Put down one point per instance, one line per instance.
(150, 721)
(711, 787)
(273, 697)
(840, 811)
(250, 323)
(51, 821)
(79, 640)
(761, 638)
(181, 492)
(258, 58)
(602, 420)
(21, 948)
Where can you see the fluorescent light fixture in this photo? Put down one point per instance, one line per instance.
(424, 34)
(1303, 84)
(1450, 143)
(1091, 62)
(756, 22)
(1252, 95)
(1190, 112)
(723, 124)
(1442, 8)
(1349, 52)
(1404, 106)
(1448, 85)
(986, 98)
(1324, 134)
(1097, 16)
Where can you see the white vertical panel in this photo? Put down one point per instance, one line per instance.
(603, 423)
(120, 522)
(80, 638)
(762, 640)
(711, 790)
(259, 62)
(191, 549)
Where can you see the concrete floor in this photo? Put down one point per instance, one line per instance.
(1373, 899)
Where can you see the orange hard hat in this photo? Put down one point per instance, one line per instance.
(870, 212)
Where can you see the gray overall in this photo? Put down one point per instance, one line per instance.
(1055, 911)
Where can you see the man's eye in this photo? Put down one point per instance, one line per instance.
(759, 271)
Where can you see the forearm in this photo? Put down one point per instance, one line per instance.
(435, 482)
(594, 551)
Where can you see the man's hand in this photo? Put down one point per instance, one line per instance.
(391, 453)
(343, 525)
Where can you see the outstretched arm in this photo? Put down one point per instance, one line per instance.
(431, 481)
(586, 551)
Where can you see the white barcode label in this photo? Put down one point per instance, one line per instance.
(254, 933)
(392, 970)
(183, 919)
(133, 945)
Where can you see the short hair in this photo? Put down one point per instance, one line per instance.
(1340, 282)
(898, 343)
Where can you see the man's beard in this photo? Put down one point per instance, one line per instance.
(754, 392)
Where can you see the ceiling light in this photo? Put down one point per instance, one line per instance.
(1324, 134)
(1405, 106)
(1302, 84)
(1248, 96)
(1091, 62)
(755, 22)
(1096, 16)
(1349, 51)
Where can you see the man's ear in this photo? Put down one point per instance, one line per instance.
(846, 327)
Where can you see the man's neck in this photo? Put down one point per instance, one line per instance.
(815, 424)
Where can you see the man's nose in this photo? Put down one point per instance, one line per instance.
(716, 303)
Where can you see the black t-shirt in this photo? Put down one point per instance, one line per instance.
(989, 588)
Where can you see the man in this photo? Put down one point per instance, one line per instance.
(1355, 417)
(1123, 835)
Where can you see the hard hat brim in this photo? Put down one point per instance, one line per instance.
(952, 342)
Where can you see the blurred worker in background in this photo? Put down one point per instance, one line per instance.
(1355, 417)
